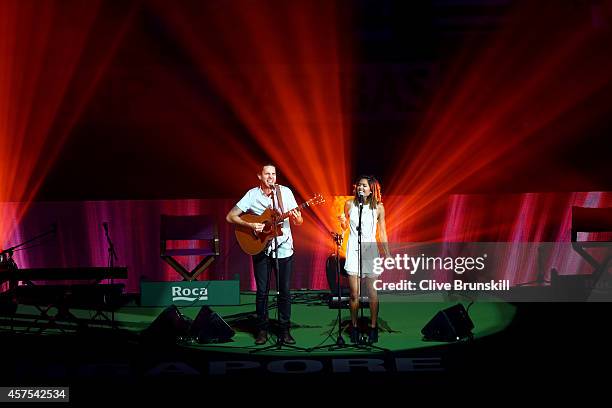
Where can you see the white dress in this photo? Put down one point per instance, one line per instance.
(369, 247)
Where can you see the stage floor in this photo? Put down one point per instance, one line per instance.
(540, 341)
(314, 324)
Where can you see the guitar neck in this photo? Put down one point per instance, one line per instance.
(303, 205)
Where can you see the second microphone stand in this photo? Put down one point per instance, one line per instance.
(112, 257)
(340, 343)
(279, 344)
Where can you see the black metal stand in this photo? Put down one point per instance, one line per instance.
(540, 280)
(362, 339)
(279, 343)
(112, 256)
(338, 241)
(340, 343)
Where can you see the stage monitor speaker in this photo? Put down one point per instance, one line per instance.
(167, 328)
(209, 327)
(450, 324)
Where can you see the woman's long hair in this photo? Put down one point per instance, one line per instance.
(373, 199)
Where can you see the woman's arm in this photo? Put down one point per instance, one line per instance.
(344, 218)
(383, 230)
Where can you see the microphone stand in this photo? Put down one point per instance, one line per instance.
(279, 340)
(279, 344)
(6, 256)
(540, 279)
(340, 343)
(362, 339)
(9, 251)
(338, 241)
(112, 256)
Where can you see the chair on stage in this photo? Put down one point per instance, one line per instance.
(589, 287)
(592, 220)
(200, 228)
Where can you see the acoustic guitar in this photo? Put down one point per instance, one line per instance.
(253, 242)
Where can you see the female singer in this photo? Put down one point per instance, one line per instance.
(368, 200)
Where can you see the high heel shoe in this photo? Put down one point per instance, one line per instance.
(354, 335)
(373, 335)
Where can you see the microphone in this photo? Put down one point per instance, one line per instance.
(360, 196)
(105, 225)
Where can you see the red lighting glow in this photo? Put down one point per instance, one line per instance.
(280, 66)
(52, 54)
(534, 86)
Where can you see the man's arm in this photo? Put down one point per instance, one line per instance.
(294, 214)
(233, 217)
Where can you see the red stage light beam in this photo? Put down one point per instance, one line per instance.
(525, 91)
(52, 54)
(284, 80)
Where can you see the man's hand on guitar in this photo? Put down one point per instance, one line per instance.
(296, 216)
(257, 227)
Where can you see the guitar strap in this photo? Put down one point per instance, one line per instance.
(279, 197)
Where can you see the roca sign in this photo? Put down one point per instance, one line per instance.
(189, 294)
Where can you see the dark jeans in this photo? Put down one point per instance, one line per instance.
(263, 266)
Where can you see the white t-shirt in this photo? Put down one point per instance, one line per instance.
(257, 202)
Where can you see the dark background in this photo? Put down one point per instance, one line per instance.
(133, 138)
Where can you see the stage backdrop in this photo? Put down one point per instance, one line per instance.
(134, 228)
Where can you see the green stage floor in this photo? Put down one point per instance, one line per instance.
(314, 323)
